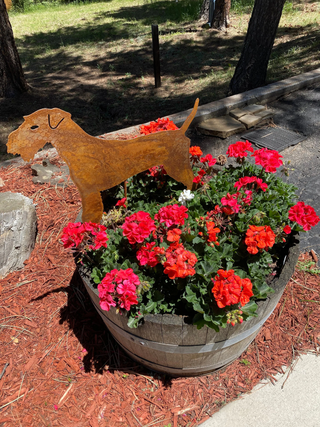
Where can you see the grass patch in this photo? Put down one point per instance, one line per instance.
(95, 59)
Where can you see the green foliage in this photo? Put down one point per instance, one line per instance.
(308, 267)
(242, 6)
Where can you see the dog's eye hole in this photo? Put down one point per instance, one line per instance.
(34, 127)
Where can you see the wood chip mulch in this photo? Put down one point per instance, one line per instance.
(59, 366)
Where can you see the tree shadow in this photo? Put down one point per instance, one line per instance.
(102, 351)
(113, 88)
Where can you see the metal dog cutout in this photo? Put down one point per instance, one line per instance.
(96, 164)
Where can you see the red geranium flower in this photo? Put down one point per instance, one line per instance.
(174, 235)
(149, 254)
(138, 227)
(247, 180)
(304, 215)
(231, 203)
(212, 232)
(269, 159)
(239, 149)
(122, 202)
(172, 215)
(179, 261)
(258, 238)
(89, 233)
(195, 151)
(199, 177)
(287, 229)
(208, 159)
(230, 289)
(158, 126)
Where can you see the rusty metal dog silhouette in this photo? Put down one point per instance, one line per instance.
(96, 164)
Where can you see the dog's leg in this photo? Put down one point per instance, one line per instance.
(182, 172)
(92, 207)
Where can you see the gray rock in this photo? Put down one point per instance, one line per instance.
(18, 223)
(45, 173)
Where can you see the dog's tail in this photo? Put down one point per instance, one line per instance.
(189, 119)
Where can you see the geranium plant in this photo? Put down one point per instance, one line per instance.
(205, 254)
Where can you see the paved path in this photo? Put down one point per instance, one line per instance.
(293, 401)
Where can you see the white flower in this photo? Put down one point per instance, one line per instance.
(184, 196)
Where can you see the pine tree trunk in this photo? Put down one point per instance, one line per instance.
(220, 19)
(12, 81)
(251, 70)
(204, 12)
(221, 14)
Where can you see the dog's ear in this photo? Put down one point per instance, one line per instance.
(56, 117)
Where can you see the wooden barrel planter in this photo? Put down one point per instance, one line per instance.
(165, 343)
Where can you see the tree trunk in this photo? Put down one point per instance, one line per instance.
(251, 70)
(219, 19)
(12, 81)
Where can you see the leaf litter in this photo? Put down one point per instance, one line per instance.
(59, 365)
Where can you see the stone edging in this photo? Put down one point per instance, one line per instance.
(222, 107)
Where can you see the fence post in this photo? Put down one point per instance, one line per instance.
(156, 55)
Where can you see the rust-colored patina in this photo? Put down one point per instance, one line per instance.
(96, 164)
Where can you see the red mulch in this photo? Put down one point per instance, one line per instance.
(64, 369)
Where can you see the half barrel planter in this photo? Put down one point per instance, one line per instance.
(165, 343)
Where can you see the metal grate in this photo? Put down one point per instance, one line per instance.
(273, 138)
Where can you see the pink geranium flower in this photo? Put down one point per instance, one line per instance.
(118, 289)
(231, 202)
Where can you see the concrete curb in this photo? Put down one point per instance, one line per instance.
(260, 95)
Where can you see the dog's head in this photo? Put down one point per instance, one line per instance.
(37, 129)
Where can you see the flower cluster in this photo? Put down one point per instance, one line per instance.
(185, 196)
(118, 289)
(158, 126)
(138, 227)
(304, 215)
(230, 289)
(270, 160)
(179, 261)
(176, 260)
(239, 149)
(205, 164)
(259, 238)
(172, 215)
(251, 182)
(205, 253)
(93, 235)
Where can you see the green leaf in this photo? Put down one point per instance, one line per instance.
(96, 275)
(250, 309)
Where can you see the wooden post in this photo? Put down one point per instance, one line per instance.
(156, 55)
